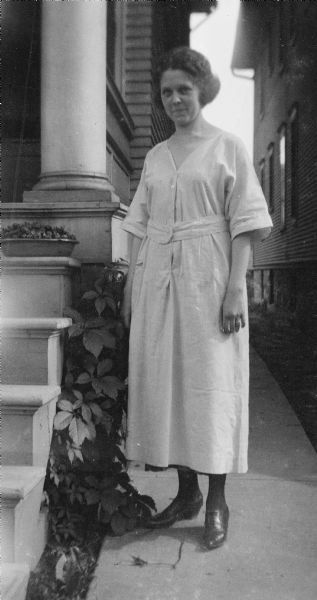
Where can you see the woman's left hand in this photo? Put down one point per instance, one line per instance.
(233, 311)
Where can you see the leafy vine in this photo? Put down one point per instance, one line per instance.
(87, 482)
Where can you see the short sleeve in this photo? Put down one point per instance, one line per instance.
(246, 207)
(137, 216)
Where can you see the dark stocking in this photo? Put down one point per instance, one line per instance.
(216, 493)
(188, 484)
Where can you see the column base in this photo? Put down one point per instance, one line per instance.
(73, 181)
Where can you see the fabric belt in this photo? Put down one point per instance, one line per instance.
(185, 230)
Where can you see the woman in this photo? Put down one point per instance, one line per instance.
(197, 207)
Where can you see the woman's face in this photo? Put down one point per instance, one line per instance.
(180, 97)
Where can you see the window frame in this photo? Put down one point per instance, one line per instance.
(116, 26)
(271, 165)
(282, 174)
(293, 166)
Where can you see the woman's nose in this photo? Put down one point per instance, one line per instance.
(175, 98)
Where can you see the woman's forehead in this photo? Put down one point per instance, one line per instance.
(175, 77)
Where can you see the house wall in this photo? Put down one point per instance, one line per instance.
(285, 78)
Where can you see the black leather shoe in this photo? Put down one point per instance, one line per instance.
(216, 528)
(178, 510)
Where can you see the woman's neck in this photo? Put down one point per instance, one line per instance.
(197, 128)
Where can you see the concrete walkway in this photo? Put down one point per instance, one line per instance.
(271, 551)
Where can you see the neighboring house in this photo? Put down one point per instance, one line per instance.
(278, 40)
(78, 120)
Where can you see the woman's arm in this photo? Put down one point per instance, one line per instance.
(126, 303)
(233, 308)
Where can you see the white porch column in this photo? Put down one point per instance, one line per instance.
(73, 90)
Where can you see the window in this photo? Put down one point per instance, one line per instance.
(282, 161)
(115, 40)
(262, 91)
(271, 177)
(271, 287)
(262, 174)
(294, 151)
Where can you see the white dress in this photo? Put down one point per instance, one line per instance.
(188, 381)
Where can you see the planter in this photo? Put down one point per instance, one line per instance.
(37, 247)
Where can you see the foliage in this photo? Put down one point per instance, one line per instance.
(87, 483)
(64, 573)
(36, 231)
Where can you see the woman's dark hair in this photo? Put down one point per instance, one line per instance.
(195, 65)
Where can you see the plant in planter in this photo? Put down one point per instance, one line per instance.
(87, 482)
(37, 239)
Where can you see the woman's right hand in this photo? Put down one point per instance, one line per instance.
(126, 308)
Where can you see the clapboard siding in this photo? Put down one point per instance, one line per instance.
(138, 82)
(291, 82)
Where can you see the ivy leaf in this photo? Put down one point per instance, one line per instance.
(78, 431)
(147, 500)
(65, 405)
(69, 380)
(110, 385)
(86, 413)
(83, 378)
(71, 455)
(78, 454)
(100, 305)
(108, 340)
(98, 285)
(93, 342)
(90, 395)
(79, 397)
(104, 367)
(92, 481)
(111, 500)
(91, 295)
(92, 496)
(59, 568)
(107, 404)
(91, 431)
(107, 421)
(89, 363)
(62, 420)
(72, 314)
(94, 323)
(75, 330)
(111, 303)
(118, 524)
(96, 410)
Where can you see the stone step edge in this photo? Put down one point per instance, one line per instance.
(27, 396)
(13, 262)
(18, 481)
(38, 323)
(14, 578)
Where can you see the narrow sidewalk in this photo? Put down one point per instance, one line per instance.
(271, 550)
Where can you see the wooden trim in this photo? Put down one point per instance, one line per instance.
(119, 107)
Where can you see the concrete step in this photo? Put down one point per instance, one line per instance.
(23, 534)
(32, 350)
(14, 581)
(38, 286)
(27, 423)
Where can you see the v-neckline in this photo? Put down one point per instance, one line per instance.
(177, 169)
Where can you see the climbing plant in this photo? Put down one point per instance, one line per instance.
(87, 482)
